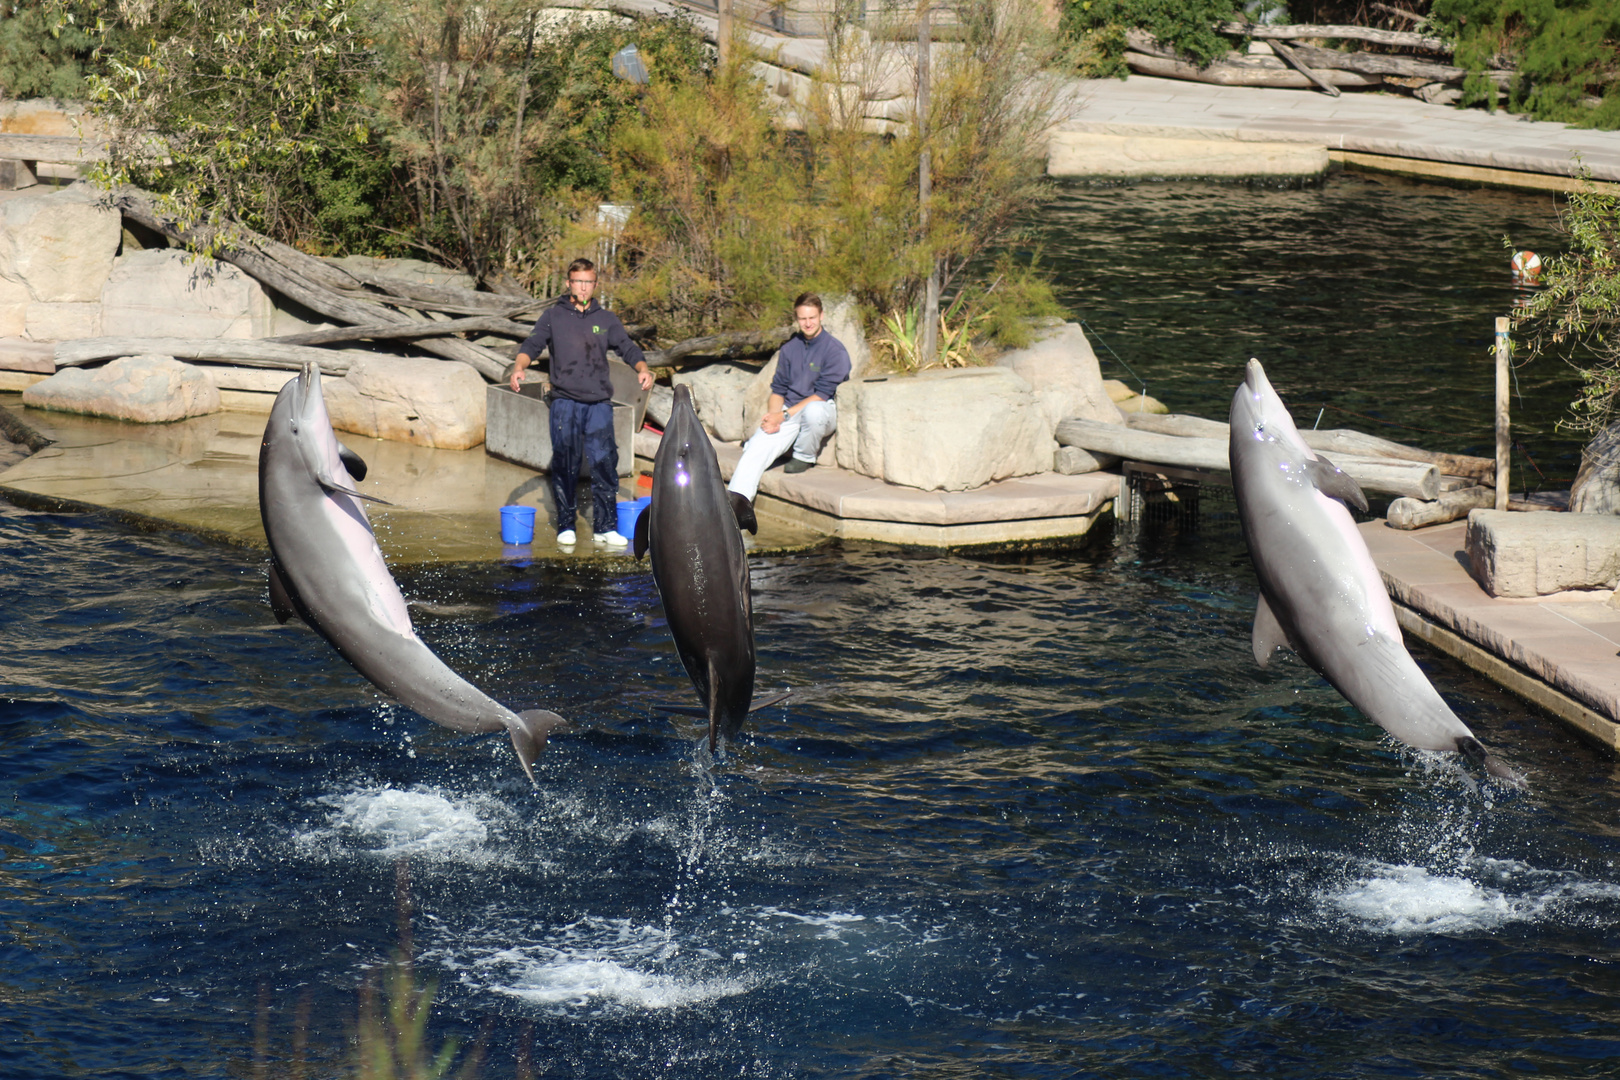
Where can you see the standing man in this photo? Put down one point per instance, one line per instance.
(801, 413)
(579, 332)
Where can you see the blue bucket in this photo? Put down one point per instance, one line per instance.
(517, 524)
(628, 512)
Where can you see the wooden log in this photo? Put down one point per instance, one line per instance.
(56, 149)
(266, 354)
(731, 345)
(1293, 61)
(1451, 505)
(1319, 59)
(21, 433)
(1403, 39)
(408, 331)
(1225, 73)
(305, 279)
(1387, 476)
(1335, 440)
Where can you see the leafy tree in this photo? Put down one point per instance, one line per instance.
(1188, 25)
(1577, 312)
(41, 53)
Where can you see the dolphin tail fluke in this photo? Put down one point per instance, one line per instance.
(766, 702)
(529, 736)
(280, 596)
(1471, 749)
(714, 707)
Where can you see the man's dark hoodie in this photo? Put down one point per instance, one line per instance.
(578, 342)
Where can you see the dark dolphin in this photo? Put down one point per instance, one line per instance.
(325, 567)
(1320, 593)
(698, 563)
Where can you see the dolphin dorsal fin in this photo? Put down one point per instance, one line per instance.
(1333, 483)
(1269, 635)
(280, 596)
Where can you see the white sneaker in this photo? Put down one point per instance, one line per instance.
(611, 539)
(566, 538)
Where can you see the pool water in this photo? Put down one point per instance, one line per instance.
(1037, 817)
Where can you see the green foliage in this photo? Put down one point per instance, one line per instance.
(1018, 293)
(1188, 25)
(43, 54)
(1564, 51)
(1577, 312)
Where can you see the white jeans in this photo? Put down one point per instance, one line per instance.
(805, 431)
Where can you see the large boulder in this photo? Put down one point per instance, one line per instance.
(1597, 485)
(14, 301)
(943, 430)
(62, 322)
(719, 392)
(437, 403)
(1062, 368)
(161, 293)
(59, 244)
(145, 389)
(1517, 554)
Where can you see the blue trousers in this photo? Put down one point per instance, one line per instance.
(585, 429)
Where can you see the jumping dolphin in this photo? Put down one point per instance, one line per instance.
(700, 568)
(1320, 594)
(325, 567)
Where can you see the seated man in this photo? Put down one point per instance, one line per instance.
(801, 413)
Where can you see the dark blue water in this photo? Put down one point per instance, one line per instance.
(1371, 301)
(1041, 819)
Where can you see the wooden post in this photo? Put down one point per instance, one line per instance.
(929, 345)
(1503, 444)
(723, 34)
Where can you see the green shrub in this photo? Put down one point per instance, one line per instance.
(1188, 25)
(43, 53)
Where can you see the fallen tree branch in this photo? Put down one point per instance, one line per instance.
(1298, 65)
(1403, 39)
(247, 353)
(408, 332)
(731, 345)
(1243, 73)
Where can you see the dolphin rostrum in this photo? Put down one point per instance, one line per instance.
(1320, 593)
(325, 568)
(698, 563)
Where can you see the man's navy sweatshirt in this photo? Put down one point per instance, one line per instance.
(579, 341)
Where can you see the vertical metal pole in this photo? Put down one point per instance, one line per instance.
(929, 346)
(723, 9)
(1503, 442)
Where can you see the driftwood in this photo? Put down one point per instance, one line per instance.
(1451, 505)
(1387, 476)
(265, 354)
(319, 286)
(22, 434)
(1244, 71)
(731, 345)
(408, 332)
(1403, 39)
(1334, 440)
(1290, 58)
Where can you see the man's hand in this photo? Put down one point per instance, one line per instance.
(772, 422)
(517, 380)
(644, 376)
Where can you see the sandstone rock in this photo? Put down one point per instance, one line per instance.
(1063, 370)
(718, 394)
(437, 403)
(58, 244)
(62, 322)
(14, 301)
(158, 293)
(1073, 461)
(1142, 403)
(1517, 554)
(1597, 486)
(842, 319)
(759, 393)
(948, 430)
(145, 389)
(1117, 391)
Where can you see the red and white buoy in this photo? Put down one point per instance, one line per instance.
(1526, 268)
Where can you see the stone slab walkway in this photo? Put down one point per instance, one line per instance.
(1369, 123)
(1568, 643)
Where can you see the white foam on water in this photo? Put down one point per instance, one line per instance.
(1406, 899)
(830, 924)
(601, 964)
(390, 822)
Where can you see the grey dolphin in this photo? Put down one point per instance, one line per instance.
(325, 567)
(698, 563)
(1320, 593)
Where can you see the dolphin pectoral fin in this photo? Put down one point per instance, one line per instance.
(1333, 483)
(683, 710)
(767, 702)
(330, 485)
(1268, 634)
(743, 510)
(280, 599)
(529, 736)
(1470, 748)
(639, 541)
(352, 461)
(714, 708)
